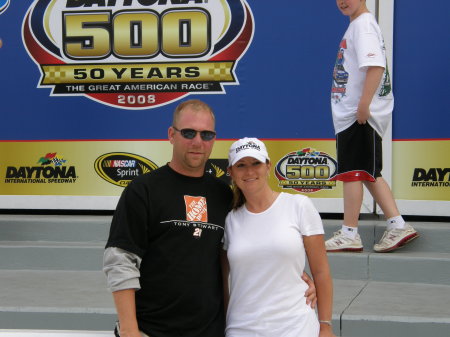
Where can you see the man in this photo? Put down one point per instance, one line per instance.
(162, 254)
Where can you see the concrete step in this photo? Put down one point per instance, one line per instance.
(402, 266)
(49, 255)
(53, 333)
(51, 245)
(392, 309)
(87, 228)
(51, 279)
(406, 266)
(61, 300)
(77, 228)
(80, 301)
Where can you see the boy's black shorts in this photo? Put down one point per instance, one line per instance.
(359, 153)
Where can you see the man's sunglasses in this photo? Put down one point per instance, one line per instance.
(205, 135)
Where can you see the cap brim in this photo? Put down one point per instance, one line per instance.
(241, 155)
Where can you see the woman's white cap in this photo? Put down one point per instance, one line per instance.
(247, 147)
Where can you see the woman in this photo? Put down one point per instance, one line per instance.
(266, 237)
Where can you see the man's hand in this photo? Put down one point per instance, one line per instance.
(130, 334)
(310, 293)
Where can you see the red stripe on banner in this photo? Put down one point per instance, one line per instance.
(237, 48)
(39, 54)
(421, 140)
(162, 98)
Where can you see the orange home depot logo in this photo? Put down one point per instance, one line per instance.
(196, 208)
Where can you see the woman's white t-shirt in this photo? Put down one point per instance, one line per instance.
(267, 258)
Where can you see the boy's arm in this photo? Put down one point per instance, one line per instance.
(373, 78)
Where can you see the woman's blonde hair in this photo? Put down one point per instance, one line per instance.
(238, 195)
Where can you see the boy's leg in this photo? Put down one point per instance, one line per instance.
(381, 192)
(353, 197)
(396, 235)
(347, 239)
(354, 164)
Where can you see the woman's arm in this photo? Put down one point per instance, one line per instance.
(318, 263)
(225, 274)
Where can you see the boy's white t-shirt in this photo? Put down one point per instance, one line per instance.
(362, 46)
(267, 257)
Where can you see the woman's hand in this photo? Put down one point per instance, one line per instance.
(310, 293)
(326, 330)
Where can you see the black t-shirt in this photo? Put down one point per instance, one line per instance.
(175, 224)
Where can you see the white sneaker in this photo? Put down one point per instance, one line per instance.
(342, 243)
(395, 238)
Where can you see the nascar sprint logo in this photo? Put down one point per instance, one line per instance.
(137, 54)
(306, 170)
(119, 168)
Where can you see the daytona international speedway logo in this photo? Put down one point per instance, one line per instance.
(49, 169)
(137, 54)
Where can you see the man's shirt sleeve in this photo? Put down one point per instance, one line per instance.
(121, 269)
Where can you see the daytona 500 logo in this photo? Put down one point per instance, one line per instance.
(137, 53)
(306, 170)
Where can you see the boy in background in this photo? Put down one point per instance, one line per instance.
(362, 104)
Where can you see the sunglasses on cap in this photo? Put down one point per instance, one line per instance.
(205, 135)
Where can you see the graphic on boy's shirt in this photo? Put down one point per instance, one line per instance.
(386, 87)
(196, 208)
(340, 75)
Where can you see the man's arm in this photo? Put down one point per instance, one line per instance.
(371, 84)
(126, 312)
(122, 271)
